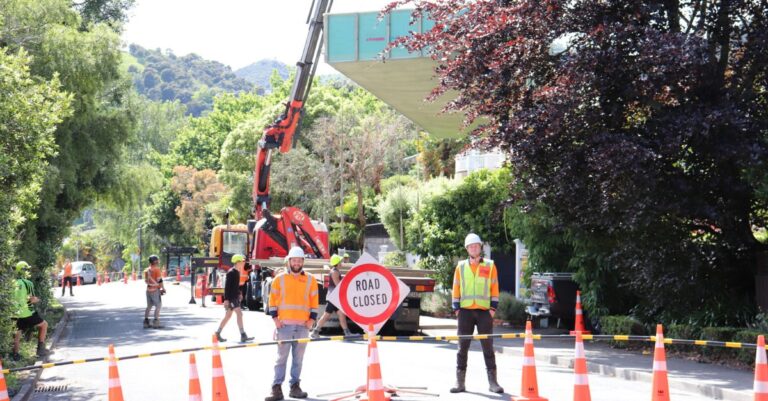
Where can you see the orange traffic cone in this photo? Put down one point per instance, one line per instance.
(660, 383)
(3, 386)
(375, 385)
(98, 279)
(178, 274)
(133, 276)
(530, 388)
(219, 384)
(219, 301)
(78, 281)
(115, 390)
(195, 394)
(125, 278)
(579, 321)
(581, 383)
(186, 271)
(761, 371)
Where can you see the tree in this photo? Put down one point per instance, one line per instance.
(362, 144)
(29, 111)
(196, 190)
(640, 126)
(86, 60)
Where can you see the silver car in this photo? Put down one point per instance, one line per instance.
(85, 270)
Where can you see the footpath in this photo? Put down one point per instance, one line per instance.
(715, 381)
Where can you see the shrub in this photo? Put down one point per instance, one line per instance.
(614, 325)
(718, 334)
(437, 304)
(747, 355)
(511, 309)
(684, 332)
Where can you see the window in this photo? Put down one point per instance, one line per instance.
(235, 242)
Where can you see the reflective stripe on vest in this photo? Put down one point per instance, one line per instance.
(474, 289)
(284, 305)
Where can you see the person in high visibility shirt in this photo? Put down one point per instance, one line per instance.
(153, 277)
(67, 278)
(245, 273)
(330, 309)
(233, 298)
(293, 304)
(475, 298)
(25, 316)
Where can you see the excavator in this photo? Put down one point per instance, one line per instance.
(267, 237)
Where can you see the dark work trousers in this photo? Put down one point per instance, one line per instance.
(468, 319)
(67, 280)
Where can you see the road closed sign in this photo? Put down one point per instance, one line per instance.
(369, 293)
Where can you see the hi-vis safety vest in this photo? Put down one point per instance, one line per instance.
(294, 297)
(475, 288)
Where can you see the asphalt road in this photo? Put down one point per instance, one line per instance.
(113, 314)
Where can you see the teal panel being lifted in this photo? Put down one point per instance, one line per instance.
(354, 44)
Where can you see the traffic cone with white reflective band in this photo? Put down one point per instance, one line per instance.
(579, 320)
(375, 385)
(115, 390)
(581, 382)
(219, 384)
(529, 390)
(660, 382)
(195, 394)
(3, 385)
(761, 371)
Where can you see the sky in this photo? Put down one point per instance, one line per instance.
(233, 32)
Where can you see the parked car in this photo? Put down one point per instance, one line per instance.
(83, 269)
(553, 295)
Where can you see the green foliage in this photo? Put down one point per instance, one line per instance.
(191, 80)
(395, 259)
(437, 156)
(511, 309)
(621, 325)
(30, 108)
(437, 304)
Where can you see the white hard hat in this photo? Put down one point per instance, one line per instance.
(472, 239)
(296, 252)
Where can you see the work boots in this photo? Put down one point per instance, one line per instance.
(493, 385)
(41, 350)
(461, 376)
(156, 324)
(315, 333)
(146, 323)
(296, 391)
(244, 338)
(277, 393)
(219, 338)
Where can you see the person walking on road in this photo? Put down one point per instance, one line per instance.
(67, 278)
(330, 308)
(25, 316)
(233, 298)
(153, 276)
(293, 303)
(475, 298)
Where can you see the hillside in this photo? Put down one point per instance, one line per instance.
(259, 72)
(190, 79)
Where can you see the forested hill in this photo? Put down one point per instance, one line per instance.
(259, 72)
(190, 79)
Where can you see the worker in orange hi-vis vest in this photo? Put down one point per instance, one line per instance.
(153, 276)
(475, 298)
(293, 304)
(67, 278)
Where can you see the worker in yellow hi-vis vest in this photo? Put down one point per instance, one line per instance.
(475, 298)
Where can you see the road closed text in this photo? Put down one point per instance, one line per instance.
(369, 293)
